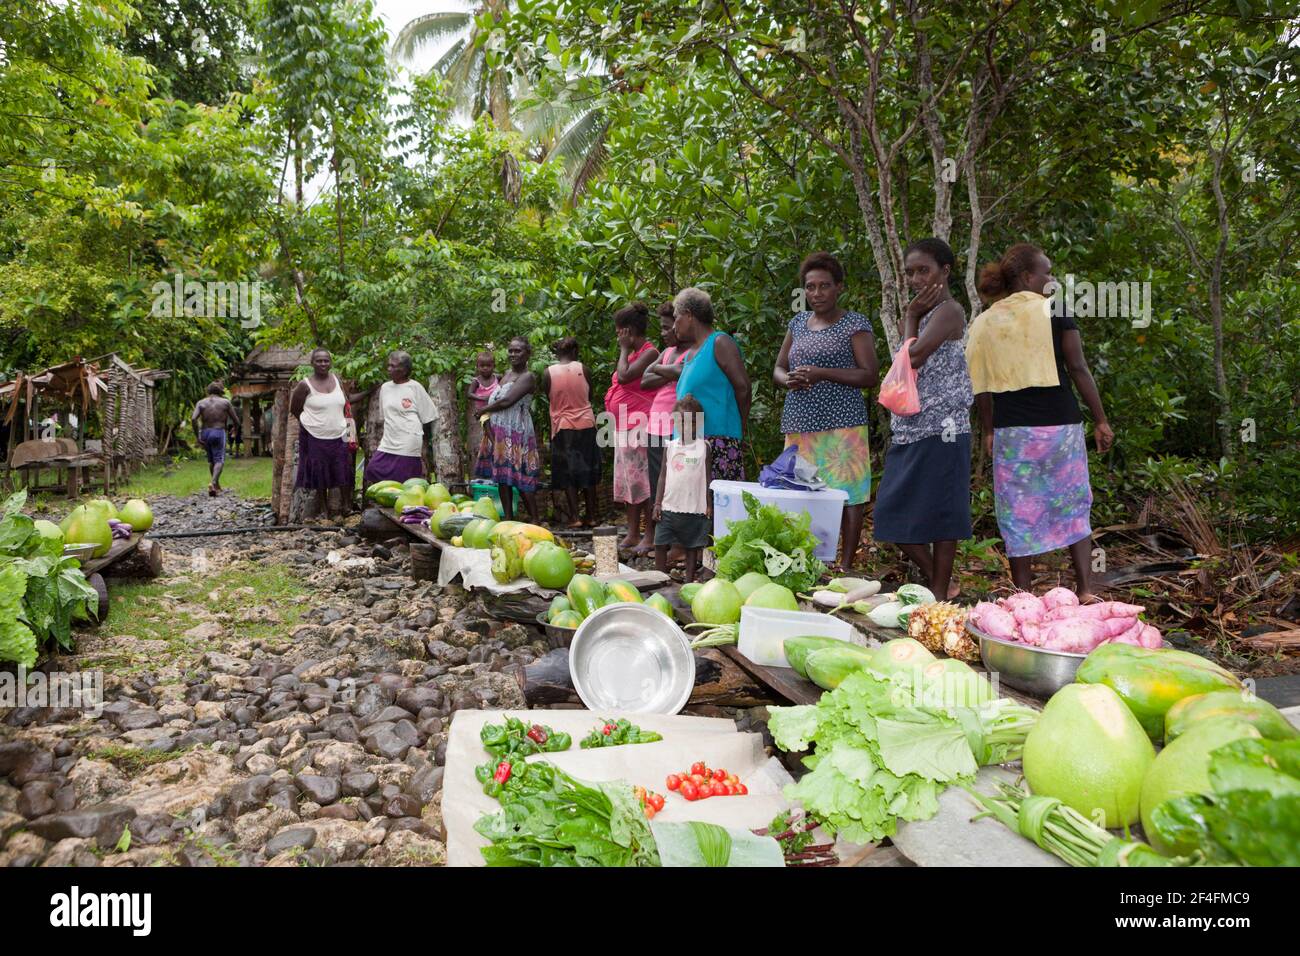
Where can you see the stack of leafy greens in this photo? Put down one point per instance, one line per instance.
(41, 591)
(548, 818)
(773, 543)
(1252, 817)
(886, 749)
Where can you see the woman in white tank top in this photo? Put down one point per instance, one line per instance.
(326, 466)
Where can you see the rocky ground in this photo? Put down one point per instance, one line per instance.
(275, 699)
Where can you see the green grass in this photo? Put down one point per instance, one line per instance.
(163, 610)
(247, 477)
(181, 478)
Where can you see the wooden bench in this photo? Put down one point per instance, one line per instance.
(31, 458)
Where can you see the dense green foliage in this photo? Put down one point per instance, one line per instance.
(282, 146)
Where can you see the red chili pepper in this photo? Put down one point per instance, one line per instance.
(537, 733)
(609, 729)
(503, 772)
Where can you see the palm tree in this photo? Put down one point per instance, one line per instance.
(571, 130)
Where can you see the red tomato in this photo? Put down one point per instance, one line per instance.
(673, 781)
(706, 790)
(741, 789)
(719, 775)
(649, 812)
(689, 790)
(697, 767)
(656, 801)
(732, 779)
(698, 778)
(730, 789)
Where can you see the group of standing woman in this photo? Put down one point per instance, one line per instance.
(1016, 366)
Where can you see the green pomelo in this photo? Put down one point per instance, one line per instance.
(776, 597)
(747, 584)
(718, 602)
(1090, 752)
(1183, 769)
(137, 514)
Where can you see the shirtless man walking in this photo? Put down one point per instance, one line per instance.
(209, 419)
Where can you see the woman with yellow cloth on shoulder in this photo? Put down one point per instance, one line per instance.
(1022, 356)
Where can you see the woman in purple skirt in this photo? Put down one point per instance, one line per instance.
(403, 450)
(326, 463)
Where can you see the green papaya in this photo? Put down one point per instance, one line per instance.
(622, 591)
(830, 665)
(1262, 715)
(1152, 680)
(797, 649)
(586, 594)
(660, 604)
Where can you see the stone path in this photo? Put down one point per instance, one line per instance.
(306, 731)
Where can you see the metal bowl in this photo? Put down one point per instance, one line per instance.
(629, 658)
(1034, 670)
(559, 636)
(81, 552)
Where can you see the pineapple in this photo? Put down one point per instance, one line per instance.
(941, 628)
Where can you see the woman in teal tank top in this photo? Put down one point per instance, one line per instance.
(714, 372)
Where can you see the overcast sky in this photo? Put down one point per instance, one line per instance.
(396, 14)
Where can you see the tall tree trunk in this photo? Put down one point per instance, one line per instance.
(448, 450)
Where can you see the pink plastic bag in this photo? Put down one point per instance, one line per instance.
(898, 390)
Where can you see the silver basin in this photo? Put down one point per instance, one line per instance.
(1034, 670)
(629, 658)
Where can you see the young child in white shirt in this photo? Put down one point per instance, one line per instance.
(683, 508)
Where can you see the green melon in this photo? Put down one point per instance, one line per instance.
(1183, 769)
(1090, 752)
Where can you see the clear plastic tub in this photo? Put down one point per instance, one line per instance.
(825, 507)
(763, 632)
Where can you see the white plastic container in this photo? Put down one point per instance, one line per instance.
(826, 508)
(763, 632)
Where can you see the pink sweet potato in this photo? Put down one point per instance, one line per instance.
(1077, 635)
(1059, 597)
(996, 622)
(1115, 626)
(1031, 634)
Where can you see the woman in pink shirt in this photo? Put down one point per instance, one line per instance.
(662, 377)
(575, 457)
(629, 403)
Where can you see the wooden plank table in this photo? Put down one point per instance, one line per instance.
(119, 550)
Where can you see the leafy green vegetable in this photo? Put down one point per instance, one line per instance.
(51, 589)
(17, 642)
(1253, 815)
(771, 542)
(612, 733)
(548, 818)
(883, 753)
(706, 844)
